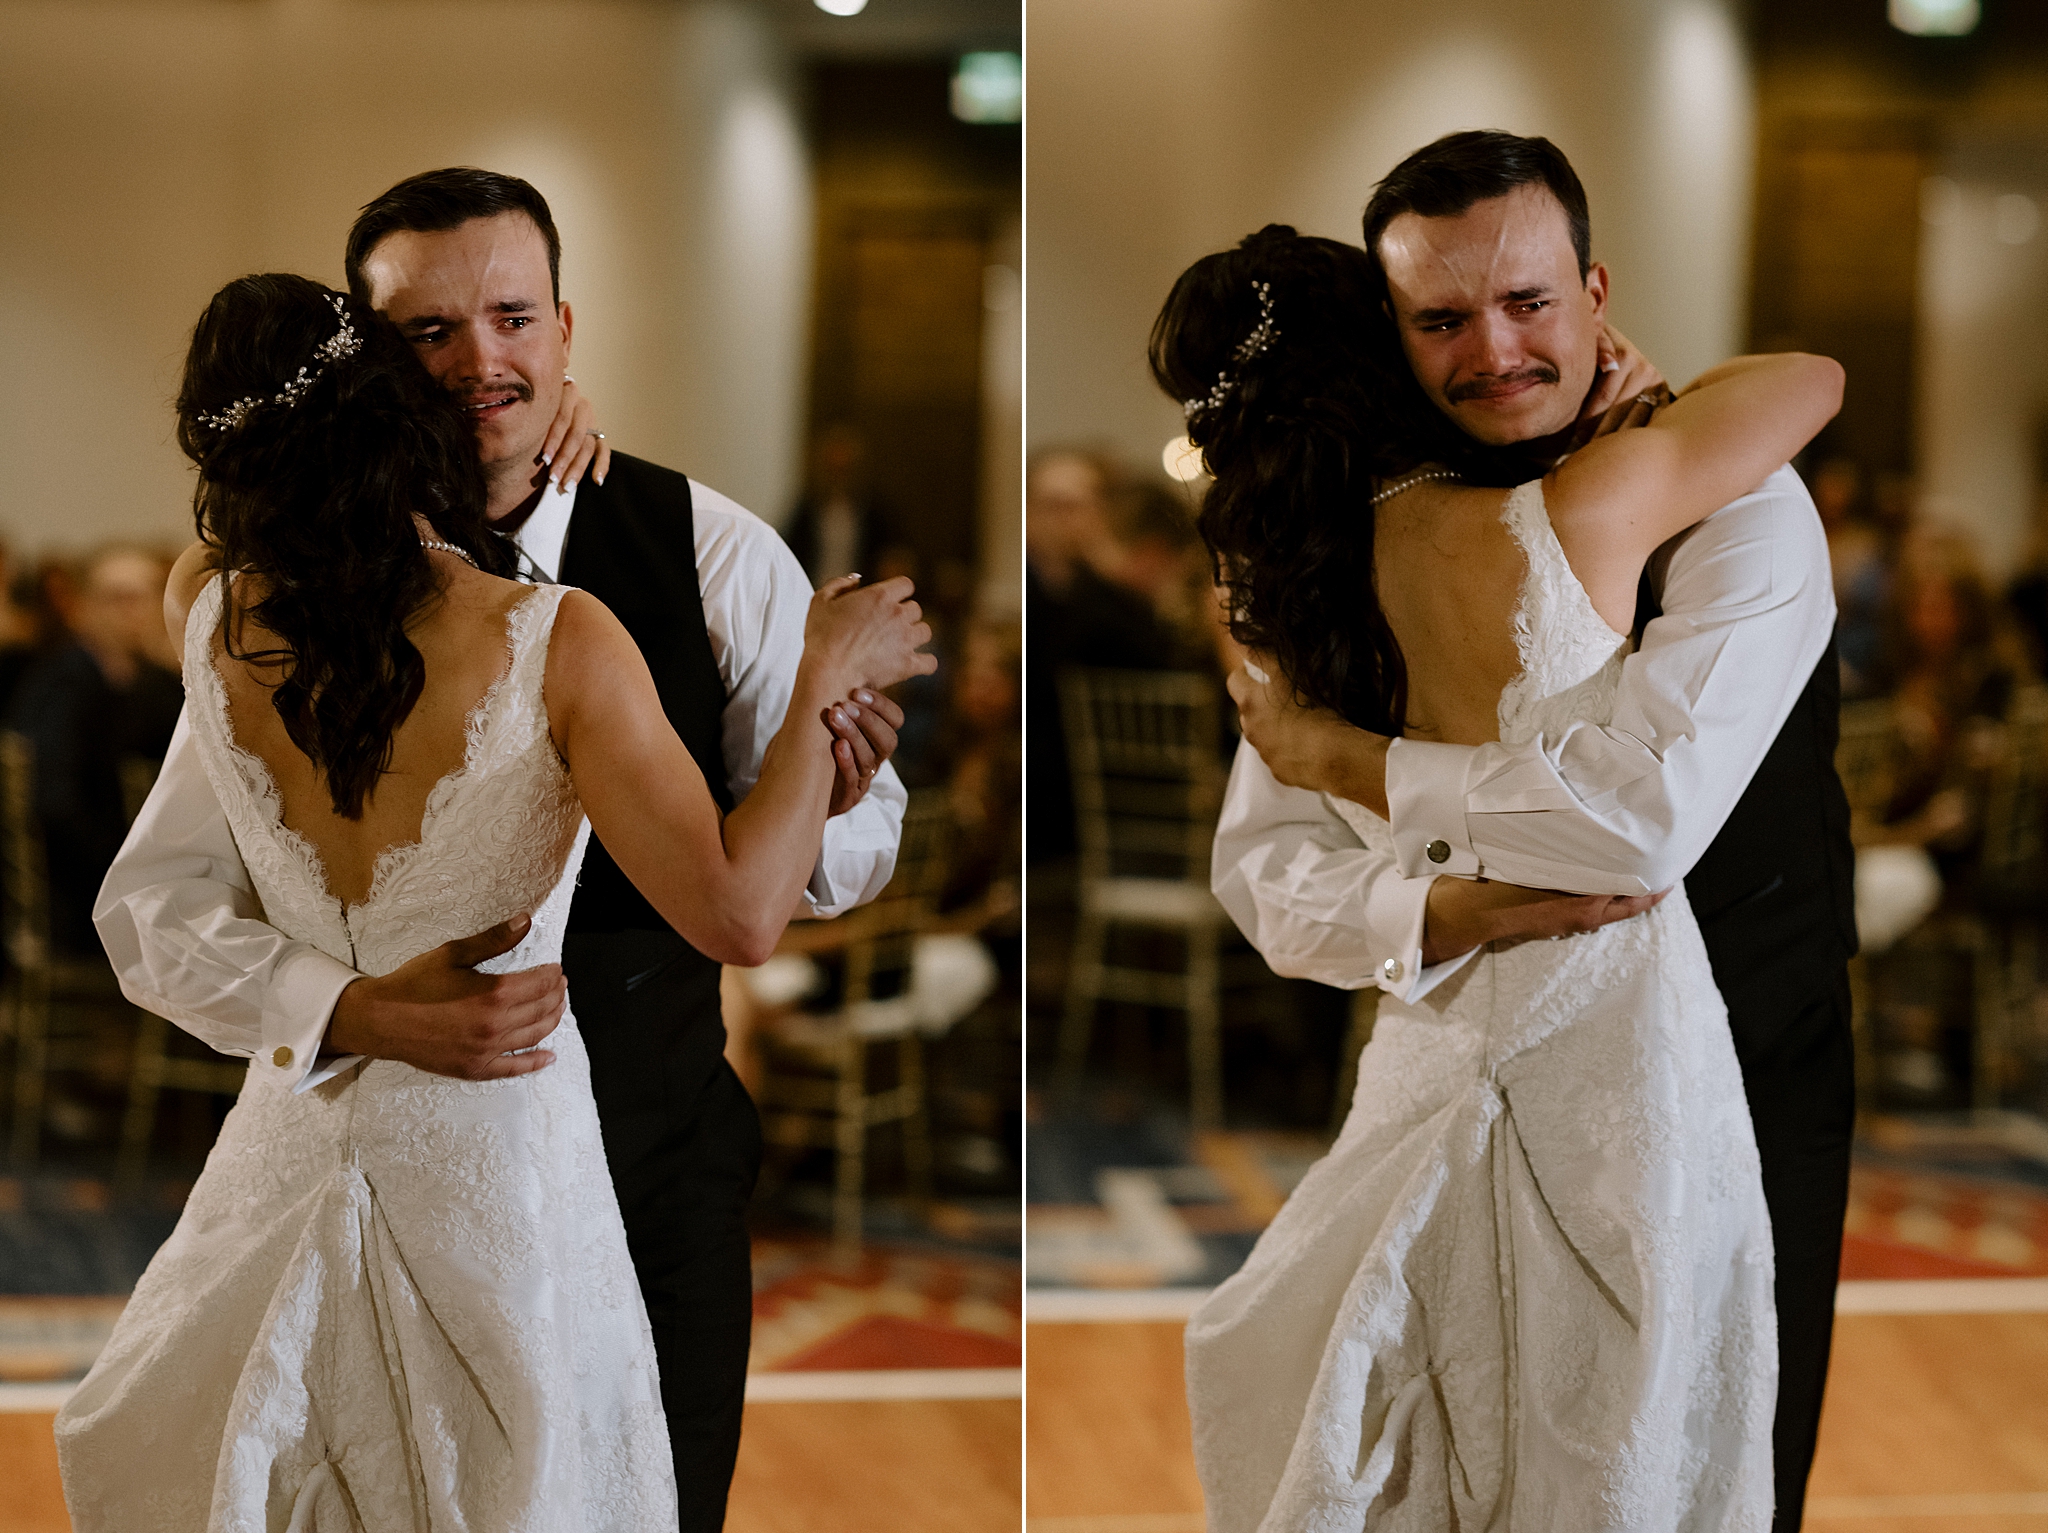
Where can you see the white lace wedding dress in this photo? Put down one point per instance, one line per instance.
(1529, 1288)
(395, 1302)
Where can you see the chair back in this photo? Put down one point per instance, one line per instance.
(1869, 756)
(1148, 779)
(24, 877)
(880, 959)
(2014, 854)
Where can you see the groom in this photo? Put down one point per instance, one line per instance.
(466, 263)
(1718, 765)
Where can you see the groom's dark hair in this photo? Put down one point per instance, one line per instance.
(438, 200)
(1443, 179)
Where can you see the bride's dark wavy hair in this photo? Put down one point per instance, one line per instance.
(316, 498)
(1296, 442)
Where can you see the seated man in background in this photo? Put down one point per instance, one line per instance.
(98, 710)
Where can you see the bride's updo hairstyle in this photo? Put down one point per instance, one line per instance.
(319, 437)
(1298, 396)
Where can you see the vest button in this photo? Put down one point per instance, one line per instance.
(1393, 970)
(282, 1057)
(1438, 851)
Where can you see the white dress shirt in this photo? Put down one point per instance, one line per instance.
(1625, 807)
(184, 927)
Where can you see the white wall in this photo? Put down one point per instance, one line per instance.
(1165, 129)
(1982, 374)
(151, 150)
(1001, 594)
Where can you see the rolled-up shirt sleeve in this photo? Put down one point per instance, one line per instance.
(1313, 898)
(1627, 807)
(185, 932)
(756, 596)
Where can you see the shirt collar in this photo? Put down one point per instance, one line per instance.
(541, 538)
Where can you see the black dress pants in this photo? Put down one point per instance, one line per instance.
(684, 1145)
(1801, 1084)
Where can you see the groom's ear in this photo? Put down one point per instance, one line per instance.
(568, 324)
(1596, 288)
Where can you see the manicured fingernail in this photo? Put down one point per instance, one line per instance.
(852, 711)
(865, 697)
(547, 457)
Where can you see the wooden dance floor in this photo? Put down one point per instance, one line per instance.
(894, 1466)
(1935, 1423)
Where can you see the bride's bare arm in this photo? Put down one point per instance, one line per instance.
(728, 884)
(1616, 499)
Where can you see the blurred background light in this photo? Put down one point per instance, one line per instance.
(1183, 460)
(988, 87)
(1935, 18)
(841, 7)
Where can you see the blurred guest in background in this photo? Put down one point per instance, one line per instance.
(98, 709)
(2028, 593)
(1077, 615)
(1155, 552)
(1956, 659)
(837, 528)
(1859, 553)
(987, 770)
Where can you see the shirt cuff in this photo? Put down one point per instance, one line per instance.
(1399, 907)
(298, 1005)
(1426, 802)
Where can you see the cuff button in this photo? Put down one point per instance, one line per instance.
(1393, 971)
(282, 1057)
(1438, 851)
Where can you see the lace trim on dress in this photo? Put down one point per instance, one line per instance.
(529, 619)
(1561, 639)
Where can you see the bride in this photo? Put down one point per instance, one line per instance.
(399, 1300)
(1530, 1286)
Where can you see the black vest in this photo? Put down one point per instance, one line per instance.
(632, 545)
(1775, 892)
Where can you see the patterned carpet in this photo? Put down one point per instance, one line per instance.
(70, 1250)
(1140, 1203)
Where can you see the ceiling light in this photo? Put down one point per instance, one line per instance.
(1934, 18)
(841, 7)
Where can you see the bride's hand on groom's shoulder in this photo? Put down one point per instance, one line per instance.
(867, 636)
(1628, 389)
(1304, 746)
(573, 442)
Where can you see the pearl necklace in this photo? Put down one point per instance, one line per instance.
(449, 548)
(1411, 482)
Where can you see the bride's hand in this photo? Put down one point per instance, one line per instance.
(1305, 747)
(1627, 390)
(573, 442)
(867, 636)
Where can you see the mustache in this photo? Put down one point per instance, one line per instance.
(522, 391)
(1480, 388)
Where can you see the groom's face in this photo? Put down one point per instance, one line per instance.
(1500, 330)
(477, 303)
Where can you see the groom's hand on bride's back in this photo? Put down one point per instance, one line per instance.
(438, 1014)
